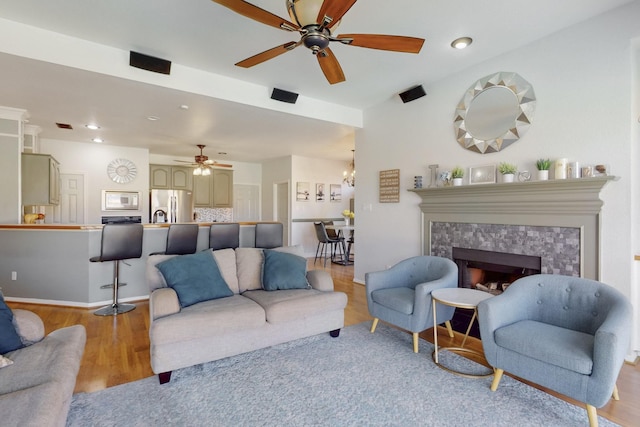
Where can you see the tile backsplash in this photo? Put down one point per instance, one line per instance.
(214, 215)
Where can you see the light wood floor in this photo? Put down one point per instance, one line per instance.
(117, 349)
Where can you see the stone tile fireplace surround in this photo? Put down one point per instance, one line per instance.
(557, 220)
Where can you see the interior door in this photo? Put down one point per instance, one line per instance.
(71, 209)
(246, 202)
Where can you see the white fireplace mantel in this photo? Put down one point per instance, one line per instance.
(554, 203)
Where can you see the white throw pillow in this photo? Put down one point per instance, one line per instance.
(5, 362)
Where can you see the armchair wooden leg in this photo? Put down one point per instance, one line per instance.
(449, 329)
(415, 342)
(593, 415)
(374, 325)
(616, 395)
(497, 376)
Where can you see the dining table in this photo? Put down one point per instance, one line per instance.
(344, 231)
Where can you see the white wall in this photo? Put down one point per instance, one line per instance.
(582, 77)
(92, 160)
(315, 171)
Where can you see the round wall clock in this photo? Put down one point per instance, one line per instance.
(122, 171)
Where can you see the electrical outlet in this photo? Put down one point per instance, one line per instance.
(14, 275)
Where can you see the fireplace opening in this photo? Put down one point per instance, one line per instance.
(488, 271)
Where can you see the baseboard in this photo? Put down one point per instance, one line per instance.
(72, 303)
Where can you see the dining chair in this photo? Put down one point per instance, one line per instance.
(323, 241)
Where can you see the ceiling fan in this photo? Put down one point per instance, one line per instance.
(315, 20)
(202, 163)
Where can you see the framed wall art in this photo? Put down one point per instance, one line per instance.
(302, 191)
(482, 174)
(320, 194)
(335, 192)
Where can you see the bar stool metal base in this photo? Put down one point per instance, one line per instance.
(114, 309)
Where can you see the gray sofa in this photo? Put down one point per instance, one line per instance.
(250, 319)
(36, 389)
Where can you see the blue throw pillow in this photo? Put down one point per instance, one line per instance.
(195, 278)
(9, 338)
(283, 271)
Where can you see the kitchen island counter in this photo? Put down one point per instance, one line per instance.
(50, 262)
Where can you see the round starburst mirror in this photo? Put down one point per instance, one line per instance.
(494, 112)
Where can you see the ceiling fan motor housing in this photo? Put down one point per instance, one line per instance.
(316, 39)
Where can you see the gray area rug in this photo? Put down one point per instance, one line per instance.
(358, 379)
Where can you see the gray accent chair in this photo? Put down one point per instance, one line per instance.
(564, 333)
(401, 295)
(269, 235)
(224, 235)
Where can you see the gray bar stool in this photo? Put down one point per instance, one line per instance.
(119, 242)
(182, 239)
(223, 235)
(269, 235)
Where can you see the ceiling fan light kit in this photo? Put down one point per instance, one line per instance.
(202, 163)
(315, 20)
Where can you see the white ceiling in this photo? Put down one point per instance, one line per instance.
(204, 35)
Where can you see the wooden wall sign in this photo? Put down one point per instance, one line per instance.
(390, 186)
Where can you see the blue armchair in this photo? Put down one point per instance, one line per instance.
(565, 333)
(401, 295)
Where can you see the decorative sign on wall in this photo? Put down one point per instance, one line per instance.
(390, 186)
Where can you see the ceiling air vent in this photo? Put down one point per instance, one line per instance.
(64, 126)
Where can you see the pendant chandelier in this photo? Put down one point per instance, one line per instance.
(349, 176)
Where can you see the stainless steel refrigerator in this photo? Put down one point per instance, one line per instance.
(171, 206)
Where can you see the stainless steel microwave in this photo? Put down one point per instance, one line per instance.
(120, 200)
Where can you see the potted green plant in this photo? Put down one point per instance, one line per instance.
(457, 174)
(543, 166)
(508, 171)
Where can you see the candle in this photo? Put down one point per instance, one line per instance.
(561, 169)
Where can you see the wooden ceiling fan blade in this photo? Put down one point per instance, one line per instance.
(335, 9)
(385, 42)
(330, 66)
(257, 14)
(221, 165)
(267, 55)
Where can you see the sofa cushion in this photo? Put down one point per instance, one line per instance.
(55, 359)
(250, 262)
(9, 338)
(283, 271)
(249, 268)
(564, 348)
(296, 304)
(208, 319)
(195, 278)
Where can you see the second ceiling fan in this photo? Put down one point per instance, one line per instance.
(314, 20)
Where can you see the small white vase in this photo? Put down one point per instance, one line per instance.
(347, 221)
(457, 182)
(543, 175)
(507, 177)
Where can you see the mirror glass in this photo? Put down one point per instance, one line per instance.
(494, 112)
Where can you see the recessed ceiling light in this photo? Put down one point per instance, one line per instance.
(98, 140)
(461, 43)
(92, 126)
(153, 118)
(184, 107)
